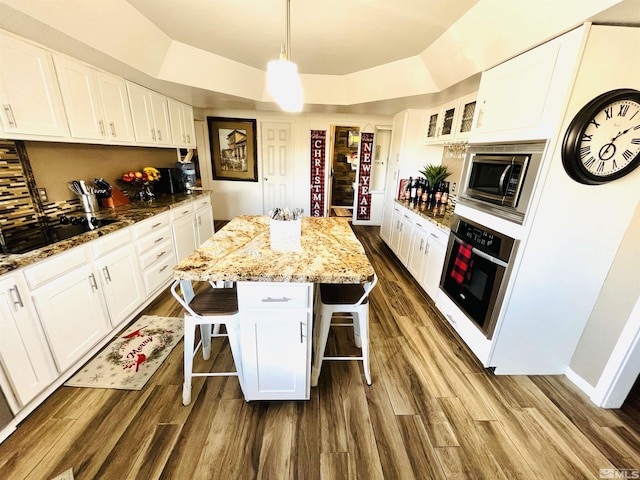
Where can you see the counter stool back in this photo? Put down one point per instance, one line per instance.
(339, 298)
(208, 309)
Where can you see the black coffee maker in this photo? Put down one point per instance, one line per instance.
(188, 173)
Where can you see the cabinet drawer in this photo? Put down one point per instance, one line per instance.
(55, 266)
(156, 237)
(159, 252)
(274, 295)
(185, 210)
(110, 242)
(158, 274)
(148, 226)
(203, 202)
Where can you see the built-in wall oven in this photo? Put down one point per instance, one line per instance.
(476, 270)
(499, 178)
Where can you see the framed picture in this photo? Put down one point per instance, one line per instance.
(233, 148)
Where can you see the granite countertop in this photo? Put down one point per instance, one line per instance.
(241, 251)
(125, 215)
(441, 215)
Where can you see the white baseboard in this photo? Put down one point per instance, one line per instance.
(580, 382)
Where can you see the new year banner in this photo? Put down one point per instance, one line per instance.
(318, 145)
(364, 181)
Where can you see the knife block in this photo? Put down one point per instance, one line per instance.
(118, 197)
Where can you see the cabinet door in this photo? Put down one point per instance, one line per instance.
(417, 250)
(275, 354)
(448, 119)
(466, 109)
(121, 283)
(29, 93)
(387, 223)
(141, 113)
(81, 99)
(189, 125)
(434, 264)
(204, 224)
(115, 103)
(176, 119)
(72, 313)
(396, 226)
(162, 124)
(184, 236)
(24, 356)
(433, 122)
(406, 227)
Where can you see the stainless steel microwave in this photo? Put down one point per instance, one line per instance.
(499, 179)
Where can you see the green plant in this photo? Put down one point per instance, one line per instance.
(435, 173)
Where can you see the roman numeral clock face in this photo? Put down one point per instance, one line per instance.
(602, 142)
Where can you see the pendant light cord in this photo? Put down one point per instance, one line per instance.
(289, 30)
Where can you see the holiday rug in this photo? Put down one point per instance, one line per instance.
(132, 358)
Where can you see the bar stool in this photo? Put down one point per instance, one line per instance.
(211, 307)
(338, 298)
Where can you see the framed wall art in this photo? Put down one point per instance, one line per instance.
(233, 148)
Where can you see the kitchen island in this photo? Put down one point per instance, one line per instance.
(275, 294)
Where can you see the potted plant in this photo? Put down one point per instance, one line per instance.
(435, 174)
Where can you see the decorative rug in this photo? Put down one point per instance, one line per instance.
(132, 358)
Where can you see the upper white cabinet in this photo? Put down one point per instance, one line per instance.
(450, 122)
(29, 95)
(523, 98)
(96, 103)
(150, 112)
(115, 107)
(182, 126)
(24, 356)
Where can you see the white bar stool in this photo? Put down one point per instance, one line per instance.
(212, 307)
(338, 298)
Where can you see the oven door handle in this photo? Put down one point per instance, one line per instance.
(481, 254)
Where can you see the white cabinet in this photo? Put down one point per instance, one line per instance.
(204, 220)
(117, 266)
(24, 355)
(70, 305)
(183, 229)
(182, 123)
(436, 248)
(96, 103)
(401, 234)
(386, 226)
(30, 98)
(155, 249)
(451, 122)
(115, 107)
(523, 98)
(275, 339)
(426, 257)
(150, 112)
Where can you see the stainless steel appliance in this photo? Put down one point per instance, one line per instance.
(500, 178)
(476, 269)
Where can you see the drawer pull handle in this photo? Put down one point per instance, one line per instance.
(163, 269)
(157, 240)
(18, 300)
(92, 281)
(156, 225)
(276, 300)
(161, 254)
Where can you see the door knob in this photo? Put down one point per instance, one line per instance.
(265, 179)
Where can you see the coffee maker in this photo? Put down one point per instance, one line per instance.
(187, 169)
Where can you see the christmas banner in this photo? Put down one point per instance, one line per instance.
(364, 181)
(318, 145)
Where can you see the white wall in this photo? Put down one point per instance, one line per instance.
(233, 198)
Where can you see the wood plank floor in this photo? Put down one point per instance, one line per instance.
(432, 412)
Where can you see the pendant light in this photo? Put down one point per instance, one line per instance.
(283, 82)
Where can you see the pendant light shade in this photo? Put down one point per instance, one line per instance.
(283, 81)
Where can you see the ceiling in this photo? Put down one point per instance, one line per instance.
(355, 56)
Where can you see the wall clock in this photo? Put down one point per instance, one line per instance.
(602, 142)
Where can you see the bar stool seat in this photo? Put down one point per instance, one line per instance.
(209, 308)
(339, 298)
